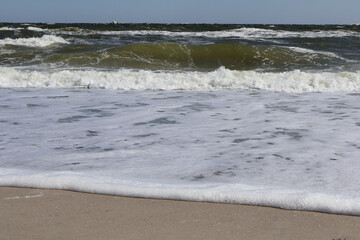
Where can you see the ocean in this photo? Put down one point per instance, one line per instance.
(250, 114)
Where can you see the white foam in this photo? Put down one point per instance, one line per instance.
(292, 81)
(36, 29)
(241, 33)
(24, 197)
(295, 151)
(44, 41)
(330, 54)
(10, 29)
(223, 193)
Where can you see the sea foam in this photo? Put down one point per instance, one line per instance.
(294, 151)
(43, 41)
(221, 193)
(292, 81)
(242, 33)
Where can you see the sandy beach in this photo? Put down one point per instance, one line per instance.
(52, 214)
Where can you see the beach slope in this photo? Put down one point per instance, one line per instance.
(51, 214)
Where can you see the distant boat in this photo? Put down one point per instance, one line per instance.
(114, 22)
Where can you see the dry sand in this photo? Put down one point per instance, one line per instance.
(51, 214)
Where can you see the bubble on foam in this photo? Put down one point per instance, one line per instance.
(43, 41)
(292, 81)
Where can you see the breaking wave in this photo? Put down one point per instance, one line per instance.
(43, 41)
(242, 33)
(220, 79)
(178, 56)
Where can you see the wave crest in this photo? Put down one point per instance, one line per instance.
(43, 41)
(220, 79)
(178, 56)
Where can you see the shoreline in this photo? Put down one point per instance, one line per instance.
(28, 213)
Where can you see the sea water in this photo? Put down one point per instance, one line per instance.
(261, 115)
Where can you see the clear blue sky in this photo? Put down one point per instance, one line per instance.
(182, 11)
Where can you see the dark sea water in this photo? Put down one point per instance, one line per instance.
(201, 47)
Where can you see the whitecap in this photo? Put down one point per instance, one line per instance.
(292, 81)
(43, 41)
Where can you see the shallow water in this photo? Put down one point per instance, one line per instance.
(241, 141)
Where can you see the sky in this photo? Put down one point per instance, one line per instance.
(183, 11)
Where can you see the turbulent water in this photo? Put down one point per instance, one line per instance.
(252, 114)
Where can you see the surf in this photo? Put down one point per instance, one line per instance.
(220, 79)
(34, 42)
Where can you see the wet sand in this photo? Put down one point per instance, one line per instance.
(54, 214)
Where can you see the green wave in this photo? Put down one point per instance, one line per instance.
(173, 56)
